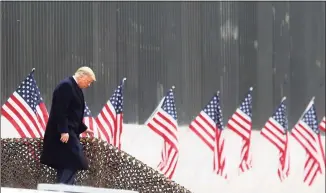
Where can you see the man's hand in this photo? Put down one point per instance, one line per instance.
(64, 137)
(89, 131)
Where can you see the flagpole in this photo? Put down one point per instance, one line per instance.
(308, 106)
(156, 109)
(283, 99)
(123, 80)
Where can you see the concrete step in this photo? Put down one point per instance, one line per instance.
(51, 188)
(79, 189)
(21, 190)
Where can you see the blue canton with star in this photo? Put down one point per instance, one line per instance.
(87, 112)
(117, 99)
(310, 118)
(29, 92)
(281, 117)
(246, 105)
(169, 105)
(214, 111)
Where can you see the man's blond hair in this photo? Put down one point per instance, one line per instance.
(82, 71)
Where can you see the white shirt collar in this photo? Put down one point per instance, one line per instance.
(74, 78)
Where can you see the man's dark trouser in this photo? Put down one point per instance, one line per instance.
(66, 176)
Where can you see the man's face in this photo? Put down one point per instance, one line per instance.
(85, 81)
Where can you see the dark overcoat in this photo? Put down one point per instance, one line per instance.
(66, 116)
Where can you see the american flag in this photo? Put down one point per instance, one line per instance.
(307, 133)
(322, 125)
(164, 123)
(25, 109)
(169, 160)
(241, 124)
(110, 119)
(90, 122)
(208, 126)
(204, 125)
(276, 132)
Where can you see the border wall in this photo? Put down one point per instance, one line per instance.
(200, 47)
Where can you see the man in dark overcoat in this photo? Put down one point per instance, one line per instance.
(62, 149)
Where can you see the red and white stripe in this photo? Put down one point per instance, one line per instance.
(92, 125)
(22, 117)
(204, 127)
(284, 159)
(311, 142)
(219, 155)
(240, 123)
(166, 126)
(245, 156)
(118, 130)
(106, 122)
(170, 157)
(110, 124)
(42, 116)
(322, 128)
(274, 133)
(110, 119)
